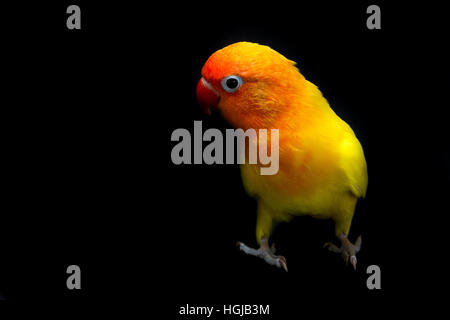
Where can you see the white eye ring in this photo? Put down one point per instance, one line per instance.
(231, 83)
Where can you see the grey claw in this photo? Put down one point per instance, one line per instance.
(347, 249)
(331, 247)
(264, 252)
(282, 263)
(357, 244)
(353, 262)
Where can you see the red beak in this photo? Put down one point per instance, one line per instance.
(206, 95)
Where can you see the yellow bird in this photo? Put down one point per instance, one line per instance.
(322, 169)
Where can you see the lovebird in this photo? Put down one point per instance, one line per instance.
(322, 168)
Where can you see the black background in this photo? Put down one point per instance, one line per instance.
(87, 117)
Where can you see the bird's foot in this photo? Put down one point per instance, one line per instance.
(348, 250)
(265, 252)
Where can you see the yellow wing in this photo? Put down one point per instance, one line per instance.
(354, 164)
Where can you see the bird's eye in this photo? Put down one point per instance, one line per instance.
(231, 83)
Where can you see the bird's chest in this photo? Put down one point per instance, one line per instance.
(304, 183)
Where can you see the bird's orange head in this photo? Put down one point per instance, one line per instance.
(251, 84)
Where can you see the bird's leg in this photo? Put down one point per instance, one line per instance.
(348, 250)
(265, 252)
